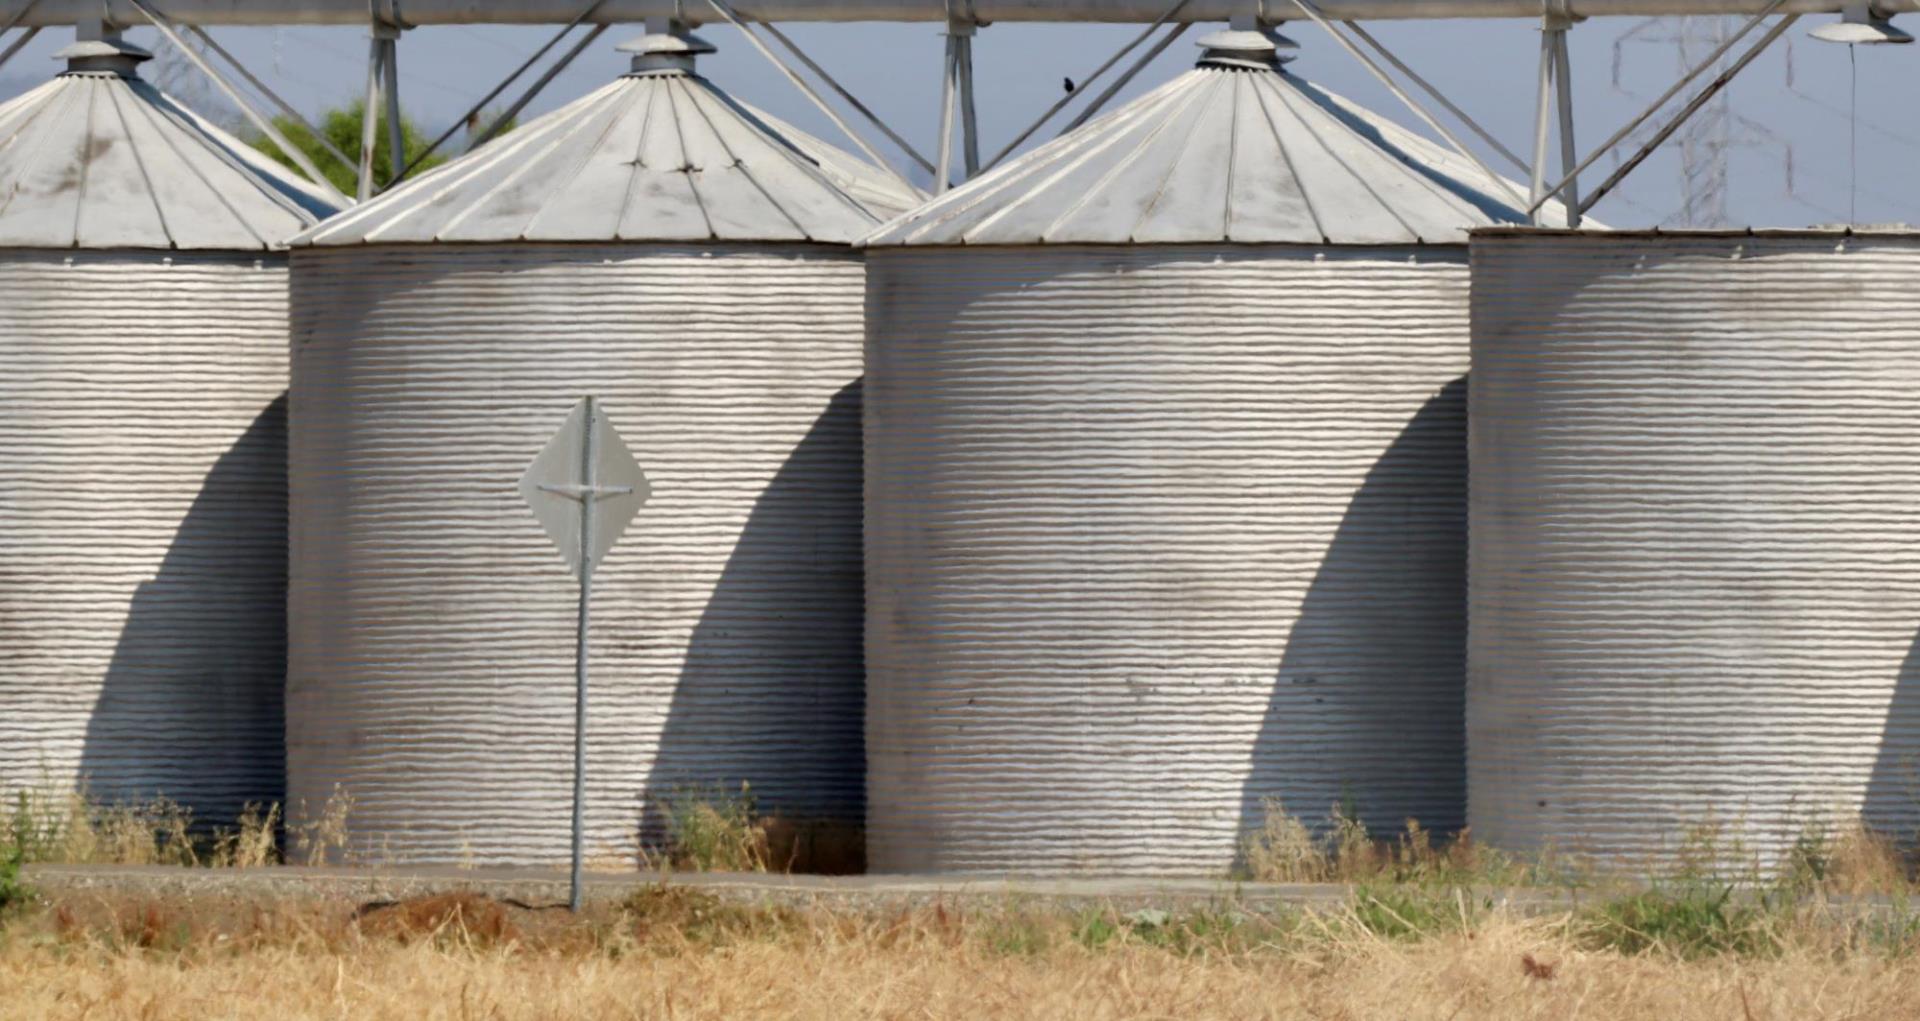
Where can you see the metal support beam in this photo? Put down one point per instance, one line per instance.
(800, 83)
(1119, 83)
(55, 13)
(1542, 119)
(234, 96)
(956, 88)
(943, 163)
(1439, 97)
(1713, 88)
(18, 45)
(396, 136)
(505, 83)
(969, 123)
(286, 109)
(1086, 83)
(1319, 18)
(841, 90)
(1673, 90)
(1563, 87)
(500, 123)
(369, 120)
(14, 20)
(25, 36)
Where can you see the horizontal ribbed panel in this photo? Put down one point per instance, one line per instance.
(143, 524)
(433, 638)
(1696, 496)
(1153, 534)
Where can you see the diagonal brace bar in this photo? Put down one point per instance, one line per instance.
(808, 91)
(841, 91)
(1713, 88)
(1086, 83)
(1438, 96)
(234, 96)
(497, 90)
(1319, 19)
(18, 45)
(536, 88)
(286, 109)
(1654, 107)
(1119, 83)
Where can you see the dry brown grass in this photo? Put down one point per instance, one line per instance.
(673, 953)
(51, 824)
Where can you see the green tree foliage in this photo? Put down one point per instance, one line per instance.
(342, 127)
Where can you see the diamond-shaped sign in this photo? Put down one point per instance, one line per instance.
(585, 474)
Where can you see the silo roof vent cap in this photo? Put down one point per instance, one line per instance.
(108, 55)
(668, 48)
(1259, 49)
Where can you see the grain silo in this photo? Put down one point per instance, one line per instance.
(1166, 485)
(687, 261)
(1696, 491)
(143, 304)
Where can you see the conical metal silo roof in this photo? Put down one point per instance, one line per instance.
(658, 155)
(1235, 150)
(97, 158)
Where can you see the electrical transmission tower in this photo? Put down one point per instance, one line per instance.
(1704, 145)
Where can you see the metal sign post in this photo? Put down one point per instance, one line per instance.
(584, 488)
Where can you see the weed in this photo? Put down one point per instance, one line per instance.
(663, 914)
(14, 890)
(1689, 919)
(1407, 912)
(251, 842)
(1096, 929)
(1285, 850)
(1017, 934)
(324, 839)
(715, 831)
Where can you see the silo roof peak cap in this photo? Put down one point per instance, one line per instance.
(1245, 47)
(667, 48)
(111, 53)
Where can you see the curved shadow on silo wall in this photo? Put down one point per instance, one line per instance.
(772, 693)
(1373, 677)
(1892, 805)
(190, 707)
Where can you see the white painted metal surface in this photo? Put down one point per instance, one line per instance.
(655, 156)
(433, 632)
(143, 524)
(97, 160)
(433, 637)
(1225, 152)
(142, 444)
(1696, 491)
(1154, 533)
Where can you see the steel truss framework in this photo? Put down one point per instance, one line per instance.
(387, 22)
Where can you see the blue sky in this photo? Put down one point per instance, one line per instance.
(1795, 157)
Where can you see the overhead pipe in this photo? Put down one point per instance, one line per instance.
(57, 13)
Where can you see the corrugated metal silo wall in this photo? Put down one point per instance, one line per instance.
(433, 620)
(143, 525)
(1154, 534)
(1695, 579)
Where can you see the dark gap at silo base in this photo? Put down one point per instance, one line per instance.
(1425, 466)
(810, 509)
(191, 707)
